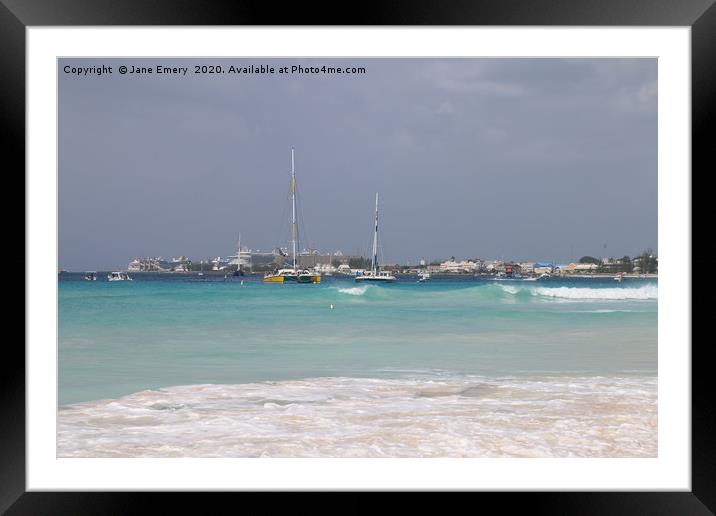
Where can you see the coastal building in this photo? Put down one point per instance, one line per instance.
(512, 269)
(569, 268)
(135, 265)
(149, 264)
(325, 268)
(527, 267)
(458, 267)
(181, 264)
(543, 268)
(493, 266)
(585, 267)
(312, 258)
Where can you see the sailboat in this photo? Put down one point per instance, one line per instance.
(295, 273)
(374, 274)
(239, 271)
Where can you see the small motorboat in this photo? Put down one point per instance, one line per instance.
(118, 276)
(90, 276)
(423, 276)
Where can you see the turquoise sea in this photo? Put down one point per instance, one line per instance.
(188, 365)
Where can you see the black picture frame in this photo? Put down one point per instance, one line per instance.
(16, 15)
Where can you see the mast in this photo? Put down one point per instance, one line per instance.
(293, 207)
(375, 238)
(238, 254)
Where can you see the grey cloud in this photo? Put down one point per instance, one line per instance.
(521, 158)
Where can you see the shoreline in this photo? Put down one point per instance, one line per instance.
(404, 274)
(598, 416)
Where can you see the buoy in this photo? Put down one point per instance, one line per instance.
(242, 282)
(331, 307)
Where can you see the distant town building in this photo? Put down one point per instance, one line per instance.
(181, 264)
(494, 266)
(455, 267)
(325, 268)
(568, 268)
(512, 269)
(527, 267)
(585, 267)
(149, 264)
(543, 268)
(313, 258)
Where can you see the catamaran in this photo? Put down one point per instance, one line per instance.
(374, 274)
(295, 273)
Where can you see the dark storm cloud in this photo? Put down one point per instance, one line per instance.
(545, 159)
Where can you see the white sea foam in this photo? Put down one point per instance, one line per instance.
(604, 311)
(577, 293)
(354, 291)
(358, 417)
(645, 292)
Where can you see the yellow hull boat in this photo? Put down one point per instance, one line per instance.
(291, 276)
(295, 273)
(273, 279)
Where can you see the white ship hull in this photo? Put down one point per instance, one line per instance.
(377, 279)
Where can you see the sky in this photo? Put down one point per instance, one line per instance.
(517, 159)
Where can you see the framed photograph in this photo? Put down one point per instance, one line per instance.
(429, 249)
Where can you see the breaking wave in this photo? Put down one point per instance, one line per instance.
(643, 292)
(499, 293)
(354, 291)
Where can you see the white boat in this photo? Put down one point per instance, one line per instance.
(91, 276)
(619, 277)
(377, 276)
(423, 276)
(118, 276)
(374, 274)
